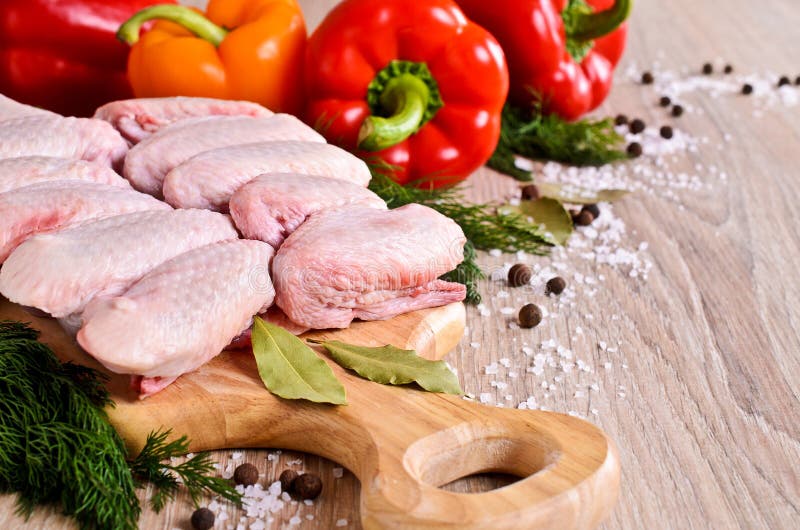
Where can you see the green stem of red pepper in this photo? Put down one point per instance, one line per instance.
(588, 26)
(403, 97)
(188, 18)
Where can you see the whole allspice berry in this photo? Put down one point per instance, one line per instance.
(747, 89)
(647, 78)
(728, 69)
(708, 69)
(621, 119)
(555, 285)
(583, 218)
(666, 132)
(530, 192)
(307, 486)
(593, 209)
(677, 110)
(286, 478)
(665, 101)
(636, 126)
(784, 80)
(634, 149)
(202, 519)
(519, 275)
(530, 316)
(245, 474)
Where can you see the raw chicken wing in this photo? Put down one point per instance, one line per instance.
(151, 159)
(209, 179)
(23, 171)
(59, 273)
(366, 263)
(271, 207)
(183, 312)
(136, 119)
(49, 206)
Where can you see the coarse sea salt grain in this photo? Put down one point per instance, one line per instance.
(338, 472)
(341, 522)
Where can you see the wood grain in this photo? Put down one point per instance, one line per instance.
(708, 431)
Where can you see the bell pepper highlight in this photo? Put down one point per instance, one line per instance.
(414, 88)
(238, 49)
(561, 53)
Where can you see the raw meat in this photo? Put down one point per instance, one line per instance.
(183, 312)
(151, 159)
(137, 119)
(209, 179)
(61, 272)
(369, 264)
(80, 138)
(53, 205)
(271, 207)
(23, 171)
(10, 109)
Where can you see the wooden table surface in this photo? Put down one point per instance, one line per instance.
(692, 361)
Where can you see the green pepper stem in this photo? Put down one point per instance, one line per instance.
(406, 99)
(588, 26)
(188, 18)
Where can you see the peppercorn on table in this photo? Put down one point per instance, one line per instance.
(676, 332)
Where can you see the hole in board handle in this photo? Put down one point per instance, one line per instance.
(469, 449)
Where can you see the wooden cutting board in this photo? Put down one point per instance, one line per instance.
(400, 442)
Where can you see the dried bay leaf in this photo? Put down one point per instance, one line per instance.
(577, 194)
(390, 365)
(292, 370)
(547, 212)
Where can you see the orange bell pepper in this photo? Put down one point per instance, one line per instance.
(240, 49)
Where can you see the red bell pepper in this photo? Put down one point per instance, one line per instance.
(413, 84)
(64, 55)
(561, 53)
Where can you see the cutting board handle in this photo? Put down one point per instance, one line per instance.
(569, 472)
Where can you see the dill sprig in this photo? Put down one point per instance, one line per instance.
(483, 226)
(153, 465)
(57, 445)
(533, 134)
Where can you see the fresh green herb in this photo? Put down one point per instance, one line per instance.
(153, 465)
(55, 440)
(467, 273)
(389, 365)
(56, 444)
(531, 133)
(548, 213)
(292, 370)
(578, 195)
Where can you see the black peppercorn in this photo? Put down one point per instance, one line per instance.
(634, 149)
(530, 192)
(202, 519)
(797, 80)
(677, 110)
(665, 132)
(636, 126)
(708, 68)
(747, 89)
(784, 81)
(555, 285)
(593, 209)
(728, 69)
(647, 78)
(307, 486)
(245, 474)
(530, 316)
(583, 218)
(286, 478)
(664, 101)
(519, 275)
(621, 119)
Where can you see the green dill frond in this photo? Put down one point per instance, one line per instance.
(532, 134)
(153, 465)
